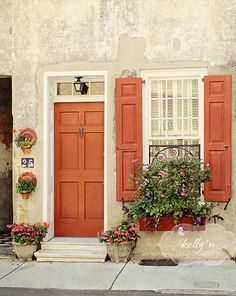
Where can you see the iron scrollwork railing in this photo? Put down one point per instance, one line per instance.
(163, 152)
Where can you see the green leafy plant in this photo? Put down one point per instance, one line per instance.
(22, 141)
(25, 186)
(170, 188)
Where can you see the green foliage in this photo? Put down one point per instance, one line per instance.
(25, 185)
(170, 187)
(23, 142)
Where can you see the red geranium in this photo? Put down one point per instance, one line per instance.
(24, 233)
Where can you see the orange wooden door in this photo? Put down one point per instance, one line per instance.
(79, 168)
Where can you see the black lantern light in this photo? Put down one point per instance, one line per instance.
(80, 86)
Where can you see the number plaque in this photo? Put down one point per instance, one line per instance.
(27, 162)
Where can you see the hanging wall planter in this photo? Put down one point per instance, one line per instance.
(26, 138)
(27, 183)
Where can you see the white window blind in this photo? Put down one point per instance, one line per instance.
(174, 111)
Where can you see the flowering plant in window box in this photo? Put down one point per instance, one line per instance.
(25, 139)
(168, 193)
(26, 238)
(120, 240)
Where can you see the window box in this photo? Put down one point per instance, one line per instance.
(167, 223)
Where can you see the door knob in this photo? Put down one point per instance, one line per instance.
(81, 131)
(226, 146)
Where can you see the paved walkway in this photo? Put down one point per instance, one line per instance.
(207, 277)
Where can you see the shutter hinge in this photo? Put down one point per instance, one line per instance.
(143, 81)
(202, 79)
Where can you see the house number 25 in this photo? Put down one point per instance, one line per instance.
(27, 162)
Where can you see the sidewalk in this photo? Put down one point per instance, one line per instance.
(194, 278)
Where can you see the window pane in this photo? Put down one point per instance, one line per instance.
(179, 108)
(156, 90)
(96, 88)
(194, 88)
(174, 109)
(195, 107)
(169, 88)
(170, 108)
(155, 128)
(155, 111)
(64, 89)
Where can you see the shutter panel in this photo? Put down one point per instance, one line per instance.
(217, 136)
(128, 134)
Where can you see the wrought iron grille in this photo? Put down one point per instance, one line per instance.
(163, 152)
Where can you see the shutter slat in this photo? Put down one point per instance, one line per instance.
(128, 133)
(217, 136)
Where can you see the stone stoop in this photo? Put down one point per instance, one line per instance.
(71, 249)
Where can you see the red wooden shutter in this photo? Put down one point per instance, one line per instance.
(128, 134)
(217, 136)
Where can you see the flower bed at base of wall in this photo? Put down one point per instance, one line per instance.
(166, 223)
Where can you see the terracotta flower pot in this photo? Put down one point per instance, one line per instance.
(26, 150)
(25, 194)
(119, 253)
(24, 252)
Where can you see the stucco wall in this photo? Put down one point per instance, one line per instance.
(6, 37)
(68, 35)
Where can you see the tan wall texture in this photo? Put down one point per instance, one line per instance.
(111, 35)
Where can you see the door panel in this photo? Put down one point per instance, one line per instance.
(79, 172)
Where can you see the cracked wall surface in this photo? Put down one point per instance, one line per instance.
(68, 35)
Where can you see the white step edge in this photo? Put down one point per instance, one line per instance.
(71, 246)
(72, 260)
(70, 254)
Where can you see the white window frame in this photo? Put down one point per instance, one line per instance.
(184, 73)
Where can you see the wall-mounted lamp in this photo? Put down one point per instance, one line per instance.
(80, 86)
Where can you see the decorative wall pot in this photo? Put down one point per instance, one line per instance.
(28, 176)
(25, 195)
(27, 183)
(119, 253)
(28, 133)
(168, 223)
(26, 150)
(24, 252)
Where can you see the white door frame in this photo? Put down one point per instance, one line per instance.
(48, 143)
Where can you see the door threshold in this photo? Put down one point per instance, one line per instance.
(74, 239)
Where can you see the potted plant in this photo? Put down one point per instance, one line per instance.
(25, 139)
(26, 238)
(120, 241)
(26, 184)
(169, 192)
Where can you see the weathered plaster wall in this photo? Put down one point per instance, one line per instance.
(6, 37)
(67, 35)
(5, 153)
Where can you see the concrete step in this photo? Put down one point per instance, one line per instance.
(70, 256)
(54, 245)
(66, 249)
